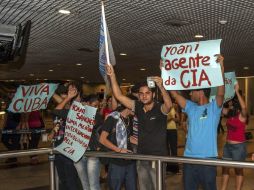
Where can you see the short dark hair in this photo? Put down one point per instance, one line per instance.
(91, 98)
(207, 92)
(144, 84)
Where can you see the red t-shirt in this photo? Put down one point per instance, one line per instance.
(236, 129)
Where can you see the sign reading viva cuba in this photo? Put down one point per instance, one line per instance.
(32, 98)
(191, 65)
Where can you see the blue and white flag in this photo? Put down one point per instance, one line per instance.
(106, 52)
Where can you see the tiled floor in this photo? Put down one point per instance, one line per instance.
(26, 176)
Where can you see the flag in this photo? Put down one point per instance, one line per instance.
(106, 52)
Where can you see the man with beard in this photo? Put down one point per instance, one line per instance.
(152, 117)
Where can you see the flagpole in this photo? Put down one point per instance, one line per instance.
(105, 31)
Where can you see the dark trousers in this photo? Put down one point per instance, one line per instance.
(172, 146)
(195, 175)
(11, 141)
(67, 173)
(34, 140)
(119, 175)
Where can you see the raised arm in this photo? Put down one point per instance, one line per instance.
(244, 112)
(220, 89)
(166, 98)
(180, 100)
(71, 94)
(127, 102)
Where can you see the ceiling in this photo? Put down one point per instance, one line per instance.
(138, 28)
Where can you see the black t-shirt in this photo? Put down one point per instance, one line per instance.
(152, 131)
(94, 143)
(60, 116)
(110, 127)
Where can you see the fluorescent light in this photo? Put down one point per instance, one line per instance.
(78, 64)
(142, 69)
(123, 79)
(199, 36)
(82, 77)
(246, 68)
(223, 22)
(2, 112)
(66, 12)
(124, 54)
(51, 70)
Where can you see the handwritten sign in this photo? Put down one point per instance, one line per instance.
(78, 130)
(230, 81)
(191, 65)
(32, 98)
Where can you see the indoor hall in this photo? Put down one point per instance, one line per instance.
(46, 41)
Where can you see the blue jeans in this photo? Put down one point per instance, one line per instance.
(146, 175)
(195, 175)
(119, 175)
(88, 169)
(236, 152)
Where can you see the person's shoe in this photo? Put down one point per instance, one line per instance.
(34, 161)
(10, 160)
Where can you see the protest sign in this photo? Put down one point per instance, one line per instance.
(230, 81)
(78, 130)
(191, 65)
(32, 98)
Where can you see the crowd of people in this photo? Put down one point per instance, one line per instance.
(139, 123)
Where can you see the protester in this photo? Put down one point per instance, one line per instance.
(68, 177)
(152, 118)
(11, 122)
(35, 122)
(88, 168)
(203, 119)
(116, 133)
(235, 147)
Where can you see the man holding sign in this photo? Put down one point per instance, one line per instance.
(201, 142)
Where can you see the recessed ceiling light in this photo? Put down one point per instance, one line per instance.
(124, 54)
(123, 79)
(66, 12)
(51, 70)
(82, 77)
(79, 64)
(223, 21)
(246, 68)
(11, 80)
(31, 74)
(142, 69)
(45, 79)
(199, 36)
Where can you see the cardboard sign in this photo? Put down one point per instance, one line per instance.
(32, 98)
(191, 65)
(78, 130)
(230, 81)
